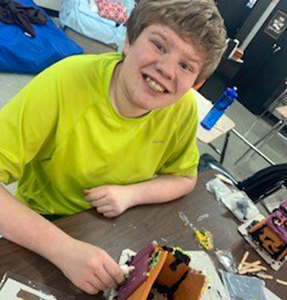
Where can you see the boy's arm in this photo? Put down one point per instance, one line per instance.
(88, 267)
(112, 200)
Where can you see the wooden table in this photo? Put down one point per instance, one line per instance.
(134, 229)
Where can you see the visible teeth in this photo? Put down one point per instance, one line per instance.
(154, 85)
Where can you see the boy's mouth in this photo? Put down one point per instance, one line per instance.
(154, 85)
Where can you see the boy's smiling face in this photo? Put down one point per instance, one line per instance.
(159, 68)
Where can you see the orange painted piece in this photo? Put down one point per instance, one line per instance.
(269, 240)
(142, 292)
(191, 288)
(168, 277)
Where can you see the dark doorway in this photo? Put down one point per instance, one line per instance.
(262, 77)
(234, 13)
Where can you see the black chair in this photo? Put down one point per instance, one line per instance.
(258, 186)
(208, 162)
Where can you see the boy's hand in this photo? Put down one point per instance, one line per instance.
(110, 200)
(89, 267)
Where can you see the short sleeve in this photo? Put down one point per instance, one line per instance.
(184, 154)
(26, 124)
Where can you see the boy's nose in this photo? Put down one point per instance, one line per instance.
(166, 67)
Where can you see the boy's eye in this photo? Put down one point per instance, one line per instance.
(159, 47)
(185, 66)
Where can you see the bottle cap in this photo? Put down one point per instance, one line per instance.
(232, 92)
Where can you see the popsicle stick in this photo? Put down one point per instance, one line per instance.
(253, 264)
(264, 276)
(243, 260)
(281, 282)
(252, 270)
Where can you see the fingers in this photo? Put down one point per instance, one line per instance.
(103, 209)
(97, 282)
(114, 270)
(111, 214)
(107, 280)
(101, 202)
(90, 268)
(102, 278)
(94, 197)
(108, 276)
(90, 289)
(106, 200)
(94, 194)
(95, 285)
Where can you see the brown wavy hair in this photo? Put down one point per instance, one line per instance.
(196, 20)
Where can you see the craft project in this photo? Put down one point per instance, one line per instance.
(271, 233)
(161, 273)
(269, 236)
(200, 261)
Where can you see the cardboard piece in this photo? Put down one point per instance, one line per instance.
(14, 290)
(15, 287)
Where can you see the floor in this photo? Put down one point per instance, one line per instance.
(275, 149)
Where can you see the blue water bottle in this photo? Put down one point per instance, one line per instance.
(218, 109)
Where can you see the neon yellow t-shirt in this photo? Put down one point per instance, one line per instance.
(61, 135)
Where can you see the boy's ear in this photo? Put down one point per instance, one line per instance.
(198, 85)
(126, 46)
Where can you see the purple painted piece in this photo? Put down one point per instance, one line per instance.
(283, 208)
(143, 252)
(278, 222)
(138, 276)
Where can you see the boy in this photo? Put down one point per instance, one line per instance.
(109, 131)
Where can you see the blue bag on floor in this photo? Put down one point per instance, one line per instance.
(20, 53)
